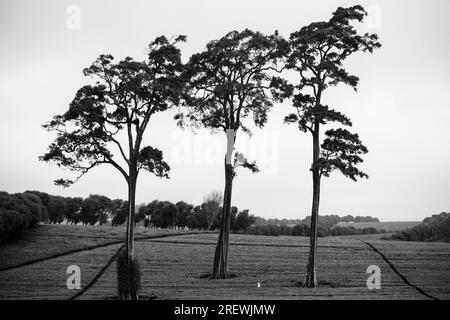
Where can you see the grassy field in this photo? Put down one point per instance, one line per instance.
(174, 263)
(389, 226)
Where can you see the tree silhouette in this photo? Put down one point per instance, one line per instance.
(317, 53)
(110, 118)
(227, 83)
(211, 205)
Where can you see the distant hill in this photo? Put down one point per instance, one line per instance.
(388, 226)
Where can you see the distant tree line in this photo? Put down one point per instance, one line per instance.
(19, 211)
(164, 214)
(22, 211)
(334, 219)
(434, 228)
(328, 226)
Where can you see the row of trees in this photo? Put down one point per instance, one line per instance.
(164, 214)
(95, 209)
(21, 211)
(434, 228)
(98, 209)
(326, 226)
(346, 218)
(350, 218)
(304, 230)
(236, 78)
(18, 212)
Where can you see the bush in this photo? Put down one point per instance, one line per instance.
(10, 224)
(128, 277)
(301, 230)
(350, 231)
(57, 208)
(45, 200)
(443, 231)
(18, 212)
(323, 232)
(434, 228)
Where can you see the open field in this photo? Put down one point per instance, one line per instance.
(173, 264)
(389, 226)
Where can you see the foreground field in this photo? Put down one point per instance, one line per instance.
(174, 265)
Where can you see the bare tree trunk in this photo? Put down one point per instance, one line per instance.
(210, 223)
(311, 271)
(130, 226)
(220, 267)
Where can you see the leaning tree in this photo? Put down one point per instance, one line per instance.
(226, 83)
(106, 121)
(317, 54)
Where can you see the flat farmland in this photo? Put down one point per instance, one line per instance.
(174, 265)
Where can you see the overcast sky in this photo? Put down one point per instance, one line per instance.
(401, 110)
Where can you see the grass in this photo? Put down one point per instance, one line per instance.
(48, 240)
(172, 266)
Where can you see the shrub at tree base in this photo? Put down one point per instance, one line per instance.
(128, 277)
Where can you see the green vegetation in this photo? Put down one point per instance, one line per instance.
(434, 228)
(128, 277)
(389, 226)
(19, 212)
(337, 219)
(305, 231)
(100, 210)
(327, 226)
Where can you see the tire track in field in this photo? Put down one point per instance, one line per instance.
(148, 240)
(243, 244)
(98, 275)
(65, 235)
(111, 260)
(93, 247)
(406, 281)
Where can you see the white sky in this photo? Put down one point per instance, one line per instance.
(401, 109)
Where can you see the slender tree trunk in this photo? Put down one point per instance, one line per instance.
(128, 220)
(210, 224)
(220, 267)
(129, 247)
(130, 223)
(311, 271)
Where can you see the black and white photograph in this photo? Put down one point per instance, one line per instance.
(224, 157)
